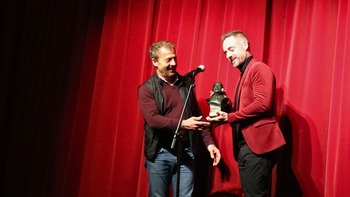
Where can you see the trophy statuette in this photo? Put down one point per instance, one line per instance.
(218, 100)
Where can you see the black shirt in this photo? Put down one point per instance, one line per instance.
(239, 136)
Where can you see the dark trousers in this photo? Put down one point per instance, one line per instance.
(255, 171)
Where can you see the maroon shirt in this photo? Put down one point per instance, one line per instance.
(172, 106)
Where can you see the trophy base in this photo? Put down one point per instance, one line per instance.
(213, 115)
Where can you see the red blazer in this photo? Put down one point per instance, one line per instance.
(255, 111)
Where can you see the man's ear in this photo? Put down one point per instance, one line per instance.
(154, 62)
(245, 45)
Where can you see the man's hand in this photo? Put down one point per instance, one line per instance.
(195, 123)
(221, 118)
(214, 154)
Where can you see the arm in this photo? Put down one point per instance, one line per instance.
(256, 100)
(208, 139)
(149, 109)
(211, 147)
(259, 99)
(154, 119)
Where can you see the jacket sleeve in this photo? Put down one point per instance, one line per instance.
(207, 136)
(149, 109)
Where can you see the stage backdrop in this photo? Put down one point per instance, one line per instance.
(98, 142)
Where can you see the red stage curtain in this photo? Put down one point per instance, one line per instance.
(306, 44)
(72, 125)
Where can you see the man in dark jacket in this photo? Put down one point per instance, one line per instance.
(161, 100)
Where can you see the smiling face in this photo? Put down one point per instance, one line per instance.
(235, 49)
(166, 63)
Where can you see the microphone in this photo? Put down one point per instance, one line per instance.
(194, 72)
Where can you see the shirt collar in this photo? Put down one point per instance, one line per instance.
(244, 64)
(163, 79)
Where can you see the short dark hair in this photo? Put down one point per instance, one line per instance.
(155, 47)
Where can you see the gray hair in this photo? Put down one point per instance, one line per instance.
(235, 33)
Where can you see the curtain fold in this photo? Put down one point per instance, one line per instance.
(338, 140)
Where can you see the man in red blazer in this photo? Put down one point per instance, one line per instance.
(256, 134)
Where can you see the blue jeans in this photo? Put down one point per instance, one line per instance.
(163, 172)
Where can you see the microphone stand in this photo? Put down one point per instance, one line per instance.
(179, 150)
